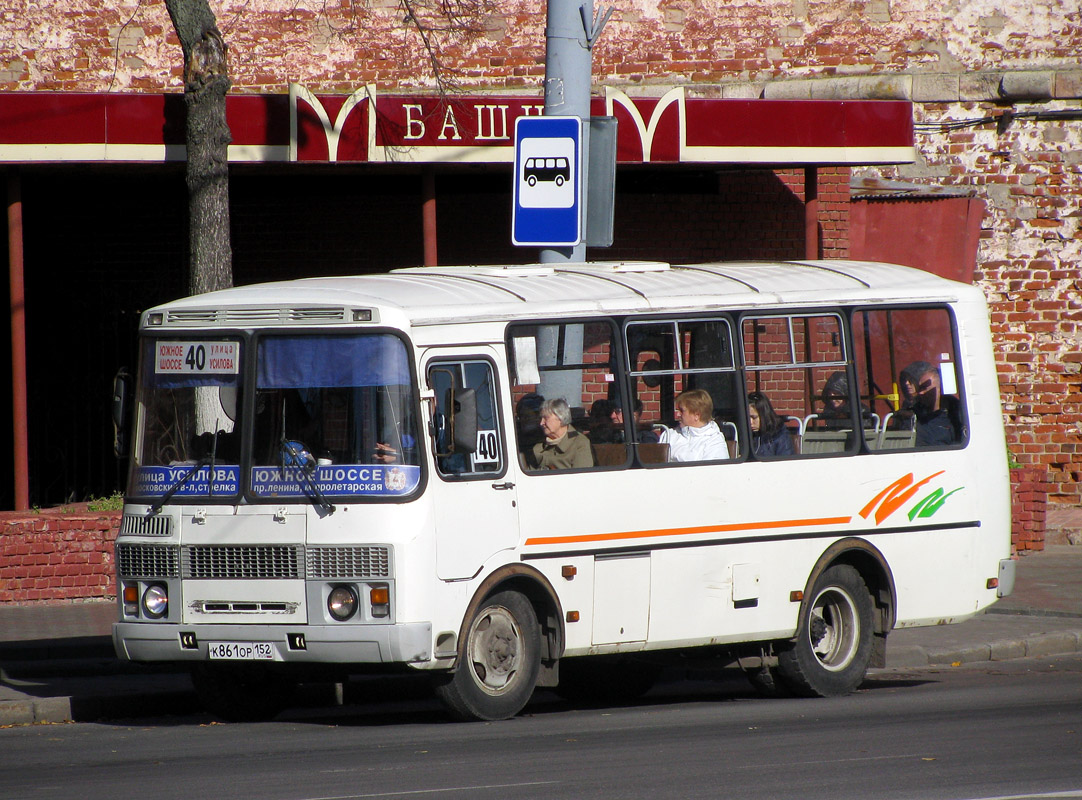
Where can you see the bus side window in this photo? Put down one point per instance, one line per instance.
(798, 381)
(906, 368)
(465, 387)
(575, 362)
(667, 359)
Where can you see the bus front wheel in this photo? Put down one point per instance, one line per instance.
(833, 645)
(500, 661)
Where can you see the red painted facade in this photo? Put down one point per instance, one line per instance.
(689, 130)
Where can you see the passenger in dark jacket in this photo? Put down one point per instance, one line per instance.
(904, 419)
(769, 436)
(837, 414)
(938, 416)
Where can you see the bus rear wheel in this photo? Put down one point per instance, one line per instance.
(499, 664)
(833, 645)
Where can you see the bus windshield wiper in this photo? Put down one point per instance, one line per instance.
(183, 479)
(201, 462)
(295, 455)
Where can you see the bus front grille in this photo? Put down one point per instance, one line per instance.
(239, 562)
(271, 315)
(140, 525)
(147, 560)
(372, 561)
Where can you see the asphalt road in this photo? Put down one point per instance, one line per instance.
(993, 730)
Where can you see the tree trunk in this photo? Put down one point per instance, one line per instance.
(206, 82)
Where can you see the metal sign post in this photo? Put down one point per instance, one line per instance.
(570, 31)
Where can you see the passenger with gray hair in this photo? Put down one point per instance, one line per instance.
(563, 447)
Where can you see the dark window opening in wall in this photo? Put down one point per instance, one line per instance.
(694, 216)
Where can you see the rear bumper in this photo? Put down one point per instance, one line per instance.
(313, 644)
(1005, 586)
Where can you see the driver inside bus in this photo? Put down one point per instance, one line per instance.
(389, 454)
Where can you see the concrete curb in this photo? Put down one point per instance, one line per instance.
(1038, 645)
(59, 710)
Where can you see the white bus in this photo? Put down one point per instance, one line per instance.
(330, 476)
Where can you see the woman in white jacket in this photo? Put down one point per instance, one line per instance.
(698, 438)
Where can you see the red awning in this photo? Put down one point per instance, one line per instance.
(366, 127)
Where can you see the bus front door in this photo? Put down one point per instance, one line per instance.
(473, 490)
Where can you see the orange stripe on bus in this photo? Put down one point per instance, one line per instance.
(739, 526)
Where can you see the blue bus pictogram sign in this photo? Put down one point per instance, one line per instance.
(548, 182)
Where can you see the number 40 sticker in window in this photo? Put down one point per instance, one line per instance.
(487, 451)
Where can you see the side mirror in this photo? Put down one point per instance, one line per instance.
(227, 398)
(122, 393)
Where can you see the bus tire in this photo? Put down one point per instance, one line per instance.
(498, 668)
(242, 693)
(833, 646)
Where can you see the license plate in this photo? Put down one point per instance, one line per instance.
(241, 651)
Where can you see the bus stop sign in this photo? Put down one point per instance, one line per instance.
(547, 192)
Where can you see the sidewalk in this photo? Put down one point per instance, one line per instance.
(57, 662)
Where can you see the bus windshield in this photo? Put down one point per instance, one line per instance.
(332, 416)
(188, 399)
(335, 416)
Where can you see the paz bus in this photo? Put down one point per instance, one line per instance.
(334, 476)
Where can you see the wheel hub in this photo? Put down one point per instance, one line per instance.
(495, 650)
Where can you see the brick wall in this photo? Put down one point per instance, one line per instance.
(57, 555)
(77, 45)
(1029, 503)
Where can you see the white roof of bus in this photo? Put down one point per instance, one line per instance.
(429, 295)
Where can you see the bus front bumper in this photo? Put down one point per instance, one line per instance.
(407, 643)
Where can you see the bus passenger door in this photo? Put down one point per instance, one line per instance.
(474, 495)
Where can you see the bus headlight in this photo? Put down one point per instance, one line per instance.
(155, 601)
(342, 603)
